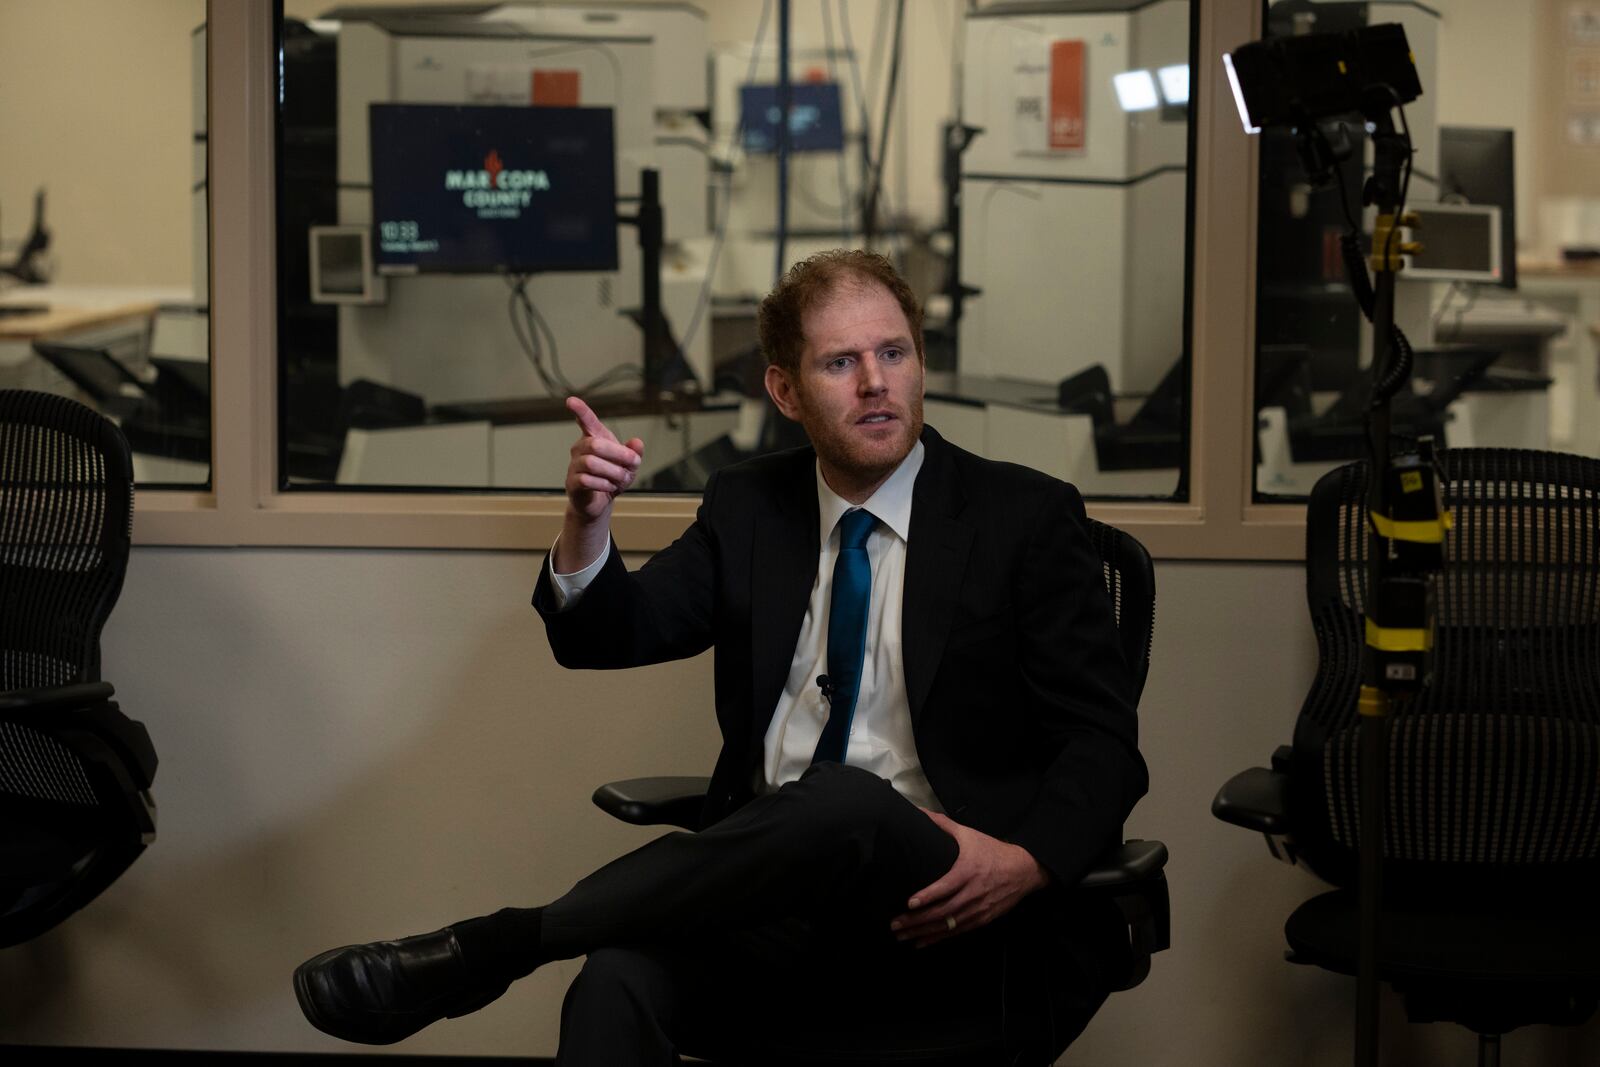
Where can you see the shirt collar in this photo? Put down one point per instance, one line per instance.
(890, 505)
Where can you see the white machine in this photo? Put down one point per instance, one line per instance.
(1059, 155)
(825, 186)
(677, 90)
(1073, 226)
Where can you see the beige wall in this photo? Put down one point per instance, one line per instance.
(1569, 169)
(95, 107)
(364, 744)
(1487, 77)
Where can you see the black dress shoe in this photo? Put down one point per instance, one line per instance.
(386, 991)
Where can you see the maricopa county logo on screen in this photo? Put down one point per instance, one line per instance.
(495, 192)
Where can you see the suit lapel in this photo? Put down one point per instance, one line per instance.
(783, 568)
(936, 563)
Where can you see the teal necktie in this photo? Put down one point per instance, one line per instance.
(847, 633)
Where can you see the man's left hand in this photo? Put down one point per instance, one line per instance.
(987, 880)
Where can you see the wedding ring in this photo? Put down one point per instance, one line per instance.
(949, 922)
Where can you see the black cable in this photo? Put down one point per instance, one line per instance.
(861, 102)
(844, 189)
(1471, 294)
(539, 323)
(1400, 369)
(527, 340)
(527, 324)
(896, 46)
(1344, 193)
(1405, 177)
(720, 236)
(785, 131)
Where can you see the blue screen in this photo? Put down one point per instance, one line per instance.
(492, 189)
(814, 119)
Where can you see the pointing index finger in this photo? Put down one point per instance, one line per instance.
(588, 421)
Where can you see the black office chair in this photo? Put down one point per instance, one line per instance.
(1131, 874)
(1492, 831)
(75, 808)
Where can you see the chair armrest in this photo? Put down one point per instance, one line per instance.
(1129, 862)
(83, 716)
(15, 703)
(1256, 799)
(669, 801)
(1132, 875)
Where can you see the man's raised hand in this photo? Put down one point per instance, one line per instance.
(601, 468)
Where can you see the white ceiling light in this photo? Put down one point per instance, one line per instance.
(1136, 90)
(1174, 83)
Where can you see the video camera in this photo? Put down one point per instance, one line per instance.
(1296, 81)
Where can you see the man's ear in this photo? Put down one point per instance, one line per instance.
(781, 388)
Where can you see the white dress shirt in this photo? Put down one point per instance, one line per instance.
(881, 740)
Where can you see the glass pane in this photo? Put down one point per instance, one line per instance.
(1501, 302)
(1074, 227)
(443, 285)
(103, 284)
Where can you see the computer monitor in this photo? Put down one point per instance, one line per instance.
(1477, 164)
(488, 190)
(1460, 243)
(816, 121)
(341, 266)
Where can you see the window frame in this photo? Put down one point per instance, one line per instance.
(245, 507)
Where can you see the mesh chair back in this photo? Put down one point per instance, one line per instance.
(1131, 580)
(74, 811)
(1496, 763)
(66, 514)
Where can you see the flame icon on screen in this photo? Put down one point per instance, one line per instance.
(492, 164)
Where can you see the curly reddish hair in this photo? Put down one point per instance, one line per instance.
(812, 281)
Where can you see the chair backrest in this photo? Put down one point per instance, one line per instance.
(1494, 763)
(66, 515)
(1131, 580)
(74, 770)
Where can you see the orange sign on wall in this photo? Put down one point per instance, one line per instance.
(555, 88)
(1066, 95)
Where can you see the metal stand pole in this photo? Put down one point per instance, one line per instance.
(650, 238)
(784, 95)
(1374, 705)
(652, 323)
(1391, 154)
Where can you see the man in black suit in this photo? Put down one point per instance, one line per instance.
(928, 735)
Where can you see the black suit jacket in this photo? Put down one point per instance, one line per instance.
(1020, 698)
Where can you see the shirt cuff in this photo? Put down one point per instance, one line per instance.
(569, 588)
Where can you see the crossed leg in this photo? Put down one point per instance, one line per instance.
(794, 889)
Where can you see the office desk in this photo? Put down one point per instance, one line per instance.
(79, 314)
(516, 411)
(525, 443)
(59, 321)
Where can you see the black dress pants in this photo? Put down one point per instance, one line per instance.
(775, 921)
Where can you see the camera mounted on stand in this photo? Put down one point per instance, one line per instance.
(1300, 82)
